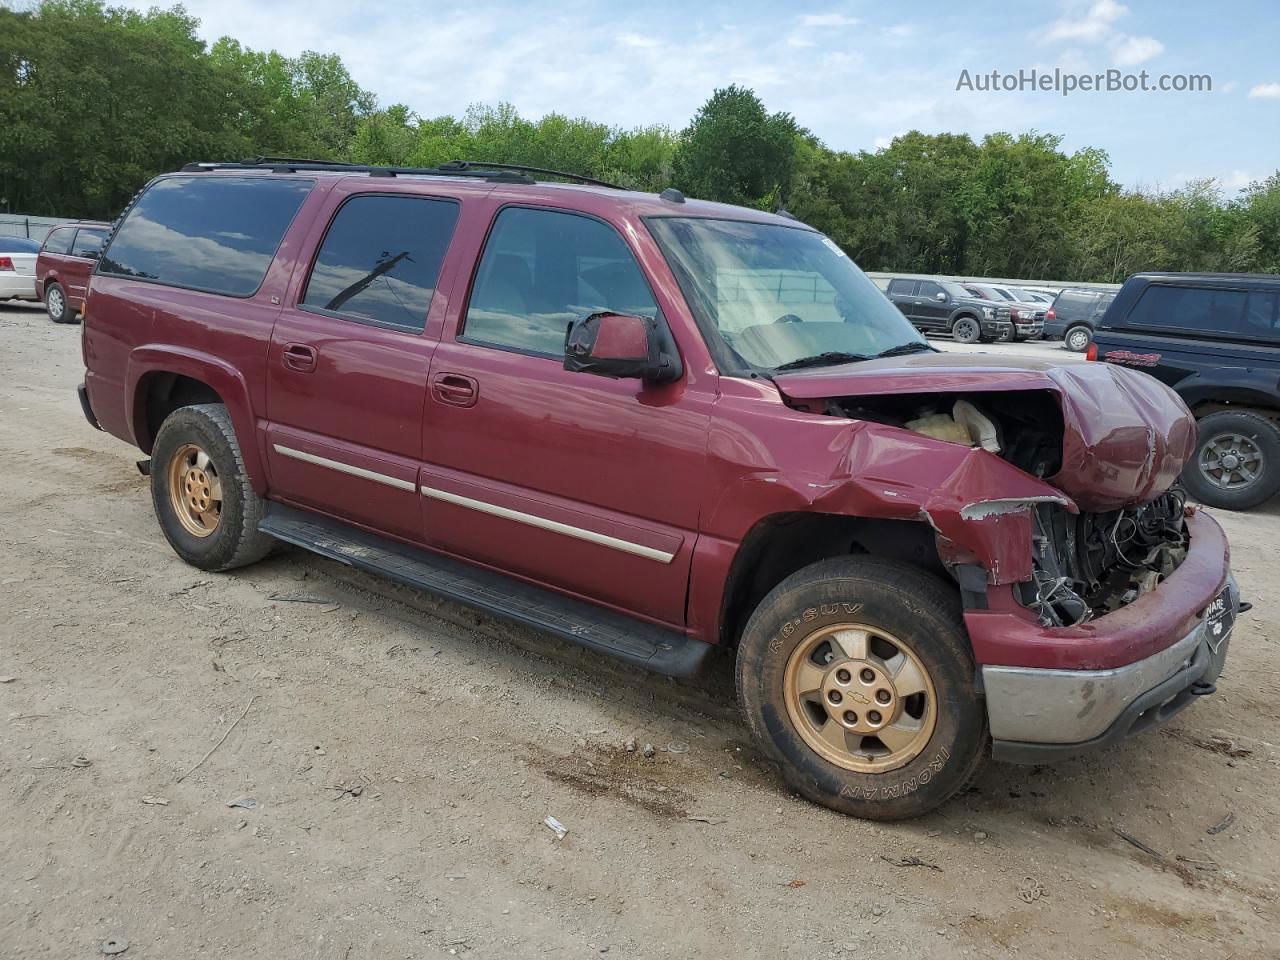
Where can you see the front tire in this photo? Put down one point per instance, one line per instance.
(857, 680)
(1236, 463)
(55, 303)
(203, 500)
(966, 330)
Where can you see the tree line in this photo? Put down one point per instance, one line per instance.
(95, 100)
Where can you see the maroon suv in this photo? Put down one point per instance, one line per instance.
(657, 427)
(62, 269)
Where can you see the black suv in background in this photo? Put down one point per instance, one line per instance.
(944, 306)
(1214, 338)
(1075, 315)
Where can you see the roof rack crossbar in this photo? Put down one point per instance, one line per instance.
(497, 172)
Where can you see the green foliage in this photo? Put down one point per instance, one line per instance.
(735, 151)
(95, 100)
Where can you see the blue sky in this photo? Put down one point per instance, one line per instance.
(855, 73)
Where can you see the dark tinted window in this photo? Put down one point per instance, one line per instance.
(540, 270)
(930, 289)
(18, 245)
(88, 242)
(206, 232)
(902, 288)
(1194, 309)
(1075, 303)
(380, 259)
(1260, 313)
(59, 241)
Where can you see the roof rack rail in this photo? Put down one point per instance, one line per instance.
(495, 172)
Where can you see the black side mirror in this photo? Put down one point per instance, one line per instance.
(619, 345)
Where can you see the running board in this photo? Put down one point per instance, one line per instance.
(653, 647)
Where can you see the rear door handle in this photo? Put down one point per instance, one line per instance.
(455, 389)
(299, 356)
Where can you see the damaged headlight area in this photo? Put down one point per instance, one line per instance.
(1089, 564)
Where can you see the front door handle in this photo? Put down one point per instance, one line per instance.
(299, 356)
(455, 389)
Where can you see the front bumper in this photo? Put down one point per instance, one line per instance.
(1039, 714)
(996, 328)
(1029, 331)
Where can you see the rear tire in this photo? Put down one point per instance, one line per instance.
(1077, 339)
(206, 506)
(966, 330)
(1230, 445)
(914, 679)
(55, 303)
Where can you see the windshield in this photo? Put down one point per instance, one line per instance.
(955, 289)
(770, 296)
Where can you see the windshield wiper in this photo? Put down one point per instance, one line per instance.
(822, 359)
(903, 349)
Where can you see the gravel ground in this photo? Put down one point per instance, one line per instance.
(401, 753)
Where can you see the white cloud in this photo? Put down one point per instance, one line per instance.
(638, 40)
(900, 31)
(1093, 26)
(882, 143)
(828, 20)
(1239, 179)
(1265, 91)
(800, 41)
(1131, 51)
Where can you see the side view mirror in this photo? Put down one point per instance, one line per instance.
(940, 297)
(619, 345)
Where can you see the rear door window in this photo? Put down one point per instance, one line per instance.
(543, 268)
(1191, 309)
(59, 241)
(205, 232)
(88, 243)
(380, 259)
(903, 288)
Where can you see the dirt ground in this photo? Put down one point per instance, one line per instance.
(400, 755)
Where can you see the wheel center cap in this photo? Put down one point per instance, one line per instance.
(859, 695)
(1230, 461)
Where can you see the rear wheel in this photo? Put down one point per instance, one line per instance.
(966, 330)
(856, 678)
(206, 507)
(1236, 464)
(55, 303)
(1078, 339)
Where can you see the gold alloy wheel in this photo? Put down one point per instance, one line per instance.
(195, 490)
(860, 697)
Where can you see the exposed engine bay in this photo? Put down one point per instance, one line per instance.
(1084, 564)
(1089, 564)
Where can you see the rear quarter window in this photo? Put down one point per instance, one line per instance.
(1201, 310)
(211, 233)
(59, 241)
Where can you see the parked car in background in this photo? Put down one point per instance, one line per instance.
(1027, 315)
(1074, 315)
(64, 265)
(18, 268)
(1214, 338)
(653, 426)
(944, 306)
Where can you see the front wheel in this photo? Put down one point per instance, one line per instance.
(966, 330)
(857, 680)
(1236, 464)
(206, 507)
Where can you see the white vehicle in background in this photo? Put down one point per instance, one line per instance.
(18, 268)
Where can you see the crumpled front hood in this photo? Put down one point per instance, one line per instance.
(1126, 434)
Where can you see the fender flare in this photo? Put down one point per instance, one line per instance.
(224, 379)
